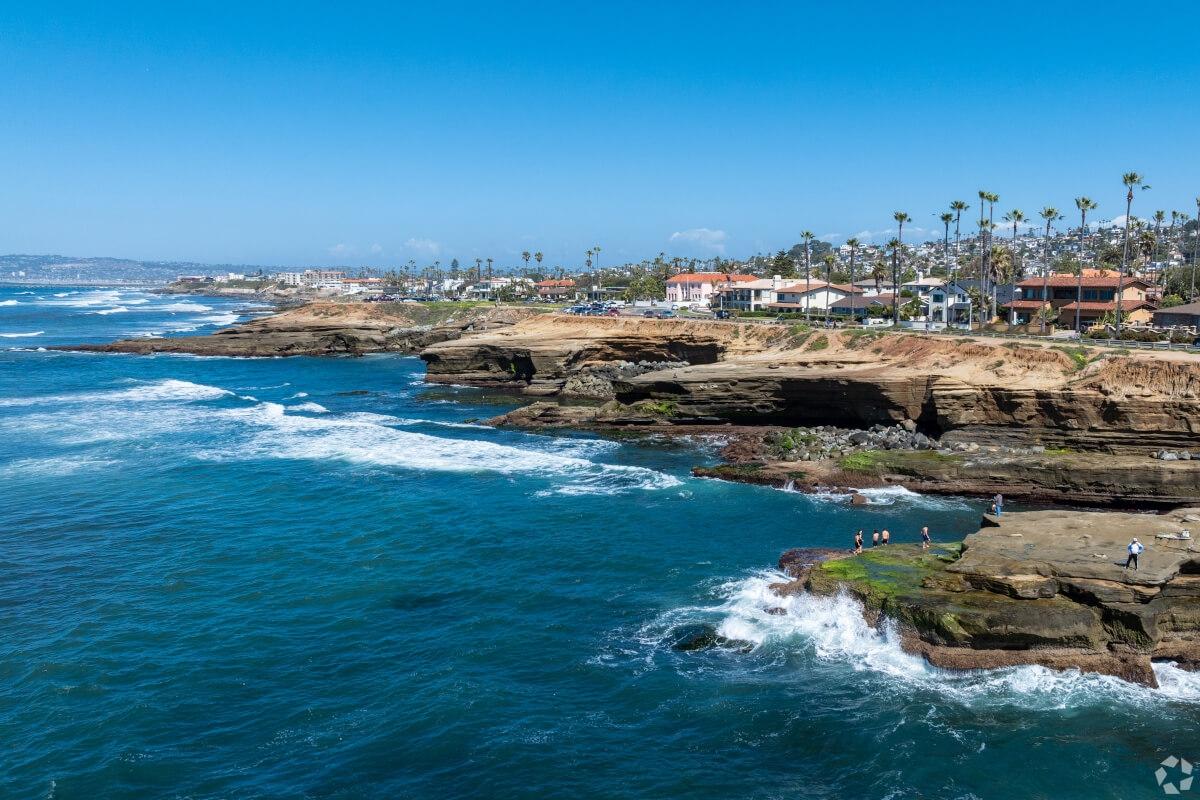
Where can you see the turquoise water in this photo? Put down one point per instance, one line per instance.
(317, 578)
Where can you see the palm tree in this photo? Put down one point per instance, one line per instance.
(992, 199)
(525, 255)
(900, 218)
(829, 260)
(878, 273)
(538, 256)
(1049, 214)
(894, 244)
(1084, 204)
(1159, 216)
(958, 206)
(1195, 251)
(853, 244)
(1016, 217)
(1130, 179)
(599, 273)
(807, 236)
(983, 198)
(946, 219)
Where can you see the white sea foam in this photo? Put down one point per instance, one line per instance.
(356, 439)
(833, 629)
(21, 335)
(197, 307)
(58, 466)
(113, 310)
(218, 319)
(10, 302)
(314, 408)
(154, 391)
(891, 495)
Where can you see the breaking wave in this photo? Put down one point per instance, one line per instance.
(832, 632)
(359, 439)
(154, 391)
(10, 302)
(21, 335)
(892, 495)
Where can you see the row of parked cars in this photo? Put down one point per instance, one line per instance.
(596, 309)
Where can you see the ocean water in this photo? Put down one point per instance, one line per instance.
(321, 578)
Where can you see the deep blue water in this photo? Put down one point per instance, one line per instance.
(316, 578)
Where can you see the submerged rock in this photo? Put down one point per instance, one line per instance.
(703, 636)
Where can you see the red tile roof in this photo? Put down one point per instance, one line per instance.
(1126, 305)
(1025, 305)
(1089, 281)
(709, 277)
(555, 284)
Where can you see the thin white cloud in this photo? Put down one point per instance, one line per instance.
(376, 249)
(427, 247)
(705, 239)
(342, 249)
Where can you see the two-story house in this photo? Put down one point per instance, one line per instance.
(1094, 296)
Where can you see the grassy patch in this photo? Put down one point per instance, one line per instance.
(663, 408)
(819, 343)
(905, 462)
(1080, 356)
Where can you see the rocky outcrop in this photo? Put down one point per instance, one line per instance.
(542, 355)
(329, 328)
(1044, 588)
(986, 392)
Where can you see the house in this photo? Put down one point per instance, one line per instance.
(922, 287)
(867, 286)
(754, 295)
(701, 287)
(556, 291)
(1005, 292)
(1061, 296)
(949, 303)
(856, 305)
(1186, 316)
(811, 296)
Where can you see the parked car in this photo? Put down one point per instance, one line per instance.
(722, 314)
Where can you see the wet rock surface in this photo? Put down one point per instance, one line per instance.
(1044, 588)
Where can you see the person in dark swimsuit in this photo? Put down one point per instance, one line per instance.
(925, 538)
(858, 542)
(875, 539)
(886, 537)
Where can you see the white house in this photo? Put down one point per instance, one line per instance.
(948, 303)
(700, 287)
(813, 296)
(753, 295)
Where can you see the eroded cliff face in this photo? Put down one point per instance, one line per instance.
(958, 389)
(539, 355)
(984, 393)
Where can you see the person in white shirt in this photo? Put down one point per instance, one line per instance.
(1135, 548)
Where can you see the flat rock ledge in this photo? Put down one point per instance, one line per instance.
(1041, 587)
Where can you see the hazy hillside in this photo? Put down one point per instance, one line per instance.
(71, 269)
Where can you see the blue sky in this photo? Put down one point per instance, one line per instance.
(349, 133)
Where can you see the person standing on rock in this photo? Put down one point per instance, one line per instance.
(858, 542)
(875, 538)
(1135, 549)
(925, 538)
(885, 536)
(998, 503)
